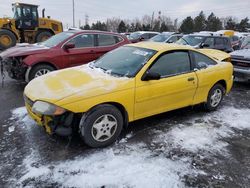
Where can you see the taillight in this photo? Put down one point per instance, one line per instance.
(227, 60)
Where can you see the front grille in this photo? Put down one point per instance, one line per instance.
(241, 63)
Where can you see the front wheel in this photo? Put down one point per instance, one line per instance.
(101, 126)
(215, 97)
(40, 70)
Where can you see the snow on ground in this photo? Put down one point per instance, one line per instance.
(127, 164)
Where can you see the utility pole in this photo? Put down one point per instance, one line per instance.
(152, 21)
(73, 13)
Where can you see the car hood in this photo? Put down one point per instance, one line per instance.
(23, 50)
(75, 84)
(241, 54)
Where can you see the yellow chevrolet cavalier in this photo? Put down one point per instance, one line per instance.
(132, 82)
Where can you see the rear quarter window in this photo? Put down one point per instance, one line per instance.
(106, 40)
(201, 59)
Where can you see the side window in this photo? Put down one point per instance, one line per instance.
(145, 36)
(235, 38)
(34, 13)
(202, 61)
(83, 41)
(227, 42)
(219, 43)
(152, 35)
(118, 39)
(209, 41)
(172, 63)
(173, 39)
(106, 40)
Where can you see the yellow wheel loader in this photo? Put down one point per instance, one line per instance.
(26, 26)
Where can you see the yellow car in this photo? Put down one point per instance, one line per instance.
(130, 83)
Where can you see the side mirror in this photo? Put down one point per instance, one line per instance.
(202, 65)
(69, 46)
(150, 76)
(141, 38)
(170, 41)
(204, 45)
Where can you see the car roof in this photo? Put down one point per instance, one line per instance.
(158, 46)
(205, 36)
(90, 31)
(142, 32)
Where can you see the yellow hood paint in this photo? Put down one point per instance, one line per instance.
(76, 83)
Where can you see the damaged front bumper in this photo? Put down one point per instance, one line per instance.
(15, 68)
(62, 125)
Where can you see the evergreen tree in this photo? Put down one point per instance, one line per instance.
(86, 27)
(200, 22)
(146, 27)
(122, 27)
(187, 25)
(213, 23)
(231, 24)
(243, 25)
(138, 26)
(99, 26)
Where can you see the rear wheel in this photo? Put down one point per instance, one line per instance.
(101, 126)
(40, 70)
(215, 97)
(7, 39)
(43, 35)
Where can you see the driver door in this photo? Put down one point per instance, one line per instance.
(83, 52)
(175, 89)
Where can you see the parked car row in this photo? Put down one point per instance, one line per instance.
(76, 47)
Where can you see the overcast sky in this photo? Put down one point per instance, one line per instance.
(130, 9)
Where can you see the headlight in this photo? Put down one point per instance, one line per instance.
(45, 108)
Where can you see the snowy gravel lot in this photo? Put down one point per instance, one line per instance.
(183, 148)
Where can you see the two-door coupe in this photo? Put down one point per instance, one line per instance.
(129, 83)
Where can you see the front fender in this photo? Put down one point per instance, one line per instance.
(124, 98)
(32, 60)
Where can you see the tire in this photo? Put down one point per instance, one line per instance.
(94, 121)
(40, 70)
(43, 35)
(7, 39)
(215, 97)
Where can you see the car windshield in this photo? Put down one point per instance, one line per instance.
(160, 38)
(124, 61)
(246, 43)
(56, 39)
(190, 40)
(134, 35)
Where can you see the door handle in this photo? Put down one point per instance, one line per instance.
(191, 79)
